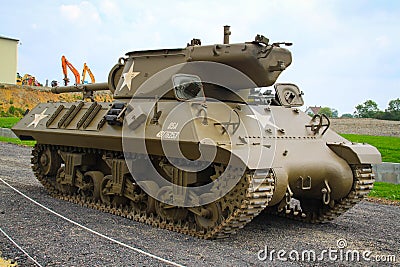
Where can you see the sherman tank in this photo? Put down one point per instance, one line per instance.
(198, 140)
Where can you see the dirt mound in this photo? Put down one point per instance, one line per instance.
(27, 97)
(366, 127)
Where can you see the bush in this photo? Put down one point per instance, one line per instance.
(347, 115)
(385, 115)
(13, 112)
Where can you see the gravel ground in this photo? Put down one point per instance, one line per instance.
(53, 241)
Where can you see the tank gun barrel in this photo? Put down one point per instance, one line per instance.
(80, 88)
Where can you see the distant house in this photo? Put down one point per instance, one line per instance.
(8, 59)
(313, 110)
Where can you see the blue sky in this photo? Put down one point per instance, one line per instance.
(344, 52)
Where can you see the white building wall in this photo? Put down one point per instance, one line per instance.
(8, 60)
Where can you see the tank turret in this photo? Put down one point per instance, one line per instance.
(261, 61)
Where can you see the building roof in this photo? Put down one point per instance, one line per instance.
(315, 109)
(8, 38)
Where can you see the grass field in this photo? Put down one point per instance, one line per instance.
(386, 190)
(17, 141)
(8, 122)
(388, 146)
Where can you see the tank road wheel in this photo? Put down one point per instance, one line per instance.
(106, 195)
(105, 187)
(166, 211)
(151, 205)
(63, 188)
(49, 162)
(210, 216)
(118, 201)
(93, 181)
(150, 202)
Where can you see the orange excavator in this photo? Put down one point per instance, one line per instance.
(86, 69)
(65, 63)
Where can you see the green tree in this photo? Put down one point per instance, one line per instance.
(394, 110)
(394, 105)
(335, 113)
(347, 115)
(368, 109)
(327, 111)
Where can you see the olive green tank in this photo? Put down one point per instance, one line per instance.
(198, 140)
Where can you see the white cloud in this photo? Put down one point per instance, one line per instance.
(110, 9)
(71, 12)
(382, 41)
(82, 13)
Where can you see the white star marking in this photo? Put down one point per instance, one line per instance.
(128, 77)
(38, 118)
(263, 120)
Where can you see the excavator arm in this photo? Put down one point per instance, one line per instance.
(87, 69)
(65, 63)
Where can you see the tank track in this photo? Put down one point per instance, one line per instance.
(363, 180)
(248, 198)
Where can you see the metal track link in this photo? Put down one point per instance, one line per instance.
(363, 180)
(250, 205)
(249, 197)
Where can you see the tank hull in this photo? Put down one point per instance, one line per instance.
(299, 164)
